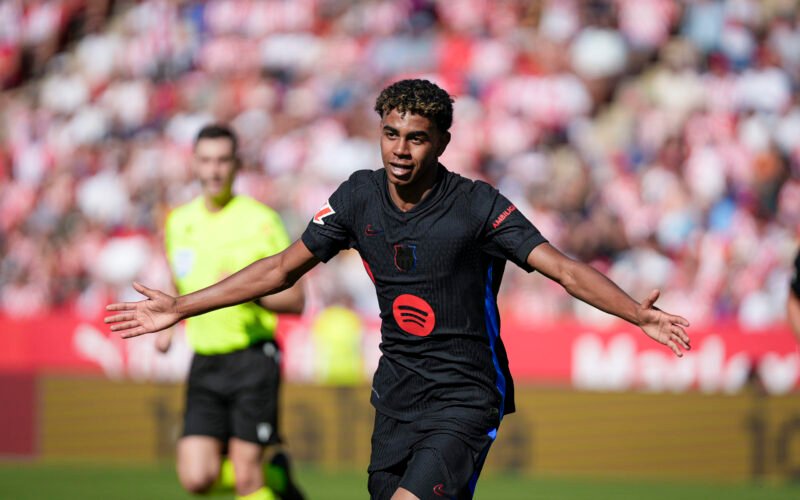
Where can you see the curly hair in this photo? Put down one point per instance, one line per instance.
(419, 97)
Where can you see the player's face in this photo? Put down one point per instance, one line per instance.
(215, 166)
(410, 147)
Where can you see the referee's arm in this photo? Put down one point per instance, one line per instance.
(263, 277)
(589, 285)
(290, 301)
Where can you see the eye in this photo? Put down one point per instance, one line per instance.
(417, 140)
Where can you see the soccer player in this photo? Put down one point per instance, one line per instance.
(793, 301)
(232, 392)
(435, 245)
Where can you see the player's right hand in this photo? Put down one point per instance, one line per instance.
(146, 316)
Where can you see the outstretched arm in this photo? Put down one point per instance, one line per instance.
(263, 277)
(589, 285)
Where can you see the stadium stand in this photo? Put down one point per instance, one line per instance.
(658, 140)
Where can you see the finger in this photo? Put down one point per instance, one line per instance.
(674, 348)
(678, 320)
(685, 345)
(133, 333)
(147, 292)
(121, 306)
(651, 299)
(125, 326)
(681, 333)
(119, 317)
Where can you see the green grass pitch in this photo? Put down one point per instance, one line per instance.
(23, 481)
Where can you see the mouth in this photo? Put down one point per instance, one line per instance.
(400, 169)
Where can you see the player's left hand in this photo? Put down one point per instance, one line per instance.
(664, 328)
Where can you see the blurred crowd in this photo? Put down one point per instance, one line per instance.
(657, 140)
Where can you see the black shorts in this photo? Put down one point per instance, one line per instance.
(234, 395)
(430, 463)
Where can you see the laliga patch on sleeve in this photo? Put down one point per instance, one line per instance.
(323, 212)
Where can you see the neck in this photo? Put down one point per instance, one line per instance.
(217, 203)
(407, 197)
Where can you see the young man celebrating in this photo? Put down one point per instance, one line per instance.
(232, 392)
(435, 245)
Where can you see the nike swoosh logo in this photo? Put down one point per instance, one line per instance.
(370, 231)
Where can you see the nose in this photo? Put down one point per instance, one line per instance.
(401, 148)
(219, 168)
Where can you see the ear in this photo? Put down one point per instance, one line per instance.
(444, 141)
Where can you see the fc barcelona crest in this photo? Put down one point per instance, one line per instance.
(405, 257)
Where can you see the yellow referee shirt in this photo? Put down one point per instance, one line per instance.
(204, 247)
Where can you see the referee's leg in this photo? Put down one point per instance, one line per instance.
(254, 425)
(199, 459)
(204, 428)
(246, 458)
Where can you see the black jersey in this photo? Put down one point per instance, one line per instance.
(796, 277)
(436, 269)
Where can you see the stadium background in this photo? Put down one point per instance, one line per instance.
(658, 140)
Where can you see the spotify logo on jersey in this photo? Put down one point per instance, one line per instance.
(413, 315)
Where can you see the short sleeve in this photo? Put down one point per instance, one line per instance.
(329, 231)
(796, 277)
(505, 231)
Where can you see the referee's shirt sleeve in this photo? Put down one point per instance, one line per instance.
(329, 230)
(505, 231)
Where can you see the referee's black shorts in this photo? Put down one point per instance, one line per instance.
(430, 462)
(234, 395)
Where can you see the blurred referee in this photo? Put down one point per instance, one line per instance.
(232, 393)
